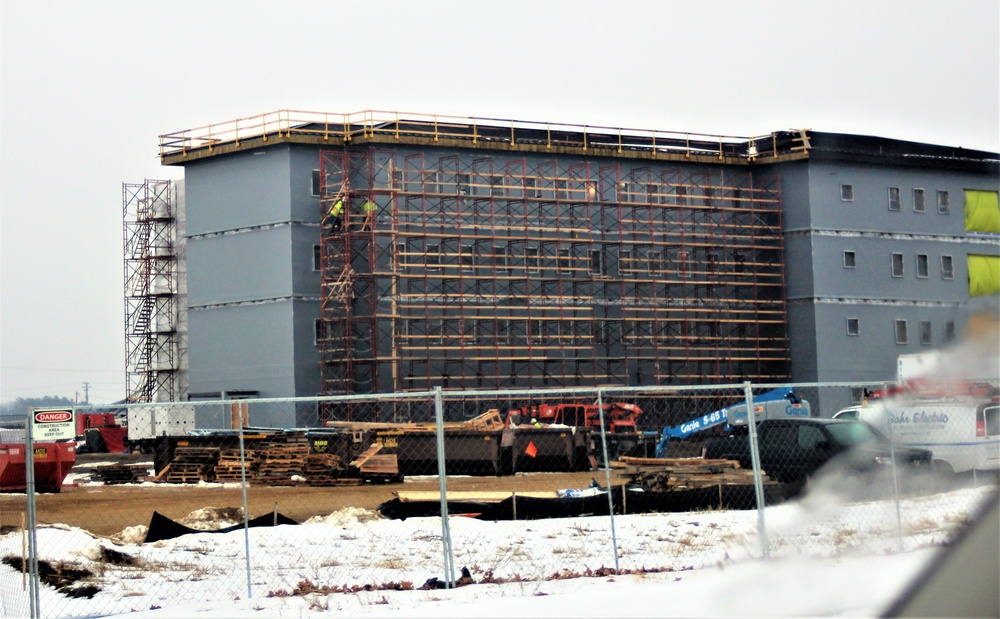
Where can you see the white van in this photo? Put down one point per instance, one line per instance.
(963, 434)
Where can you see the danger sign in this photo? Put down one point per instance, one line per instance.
(53, 424)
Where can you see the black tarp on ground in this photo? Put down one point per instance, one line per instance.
(634, 502)
(161, 527)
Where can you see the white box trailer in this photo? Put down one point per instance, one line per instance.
(962, 433)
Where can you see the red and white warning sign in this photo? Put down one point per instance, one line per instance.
(52, 424)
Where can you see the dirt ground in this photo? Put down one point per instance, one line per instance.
(109, 509)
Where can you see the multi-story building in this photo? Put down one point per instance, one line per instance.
(475, 254)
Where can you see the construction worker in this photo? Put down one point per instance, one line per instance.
(368, 210)
(535, 423)
(337, 214)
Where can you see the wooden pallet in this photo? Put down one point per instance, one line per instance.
(282, 460)
(190, 465)
(112, 474)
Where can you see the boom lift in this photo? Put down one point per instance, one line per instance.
(782, 402)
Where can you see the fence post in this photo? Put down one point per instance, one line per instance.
(246, 515)
(34, 596)
(607, 476)
(758, 482)
(449, 559)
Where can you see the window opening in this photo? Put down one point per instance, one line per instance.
(901, 331)
(943, 203)
(897, 265)
(947, 267)
(922, 266)
(894, 198)
(317, 186)
(925, 332)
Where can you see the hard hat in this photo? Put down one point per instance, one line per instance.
(533, 420)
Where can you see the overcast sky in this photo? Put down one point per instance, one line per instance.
(86, 88)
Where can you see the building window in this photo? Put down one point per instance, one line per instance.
(918, 201)
(897, 265)
(318, 331)
(317, 258)
(468, 257)
(682, 192)
(500, 256)
(853, 326)
(947, 268)
(901, 332)
(849, 260)
(432, 257)
(922, 268)
(600, 331)
(625, 261)
(943, 203)
(317, 186)
(655, 262)
(531, 260)
(847, 193)
(949, 330)
(597, 262)
(925, 332)
(894, 198)
(564, 259)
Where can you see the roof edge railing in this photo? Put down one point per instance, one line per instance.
(397, 125)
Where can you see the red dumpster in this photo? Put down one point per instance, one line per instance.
(53, 460)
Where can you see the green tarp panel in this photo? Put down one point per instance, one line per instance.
(982, 211)
(984, 275)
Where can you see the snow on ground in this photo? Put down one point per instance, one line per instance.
(826, 559)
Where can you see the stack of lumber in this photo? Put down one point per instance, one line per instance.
(229, 467)
(112, 474)
(327, 470)
(488, 421)
(666, 474)
(190, 465)
(374, 466)
(283, 458)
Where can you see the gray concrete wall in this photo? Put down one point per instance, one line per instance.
(243, 348)
(239, 191)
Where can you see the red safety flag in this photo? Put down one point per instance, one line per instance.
(531, 450)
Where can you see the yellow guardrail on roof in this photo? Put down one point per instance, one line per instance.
(344, 127)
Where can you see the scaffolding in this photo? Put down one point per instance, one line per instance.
(477, 270)
(152, 355)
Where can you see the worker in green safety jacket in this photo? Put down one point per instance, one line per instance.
(337, 214)
(368, 209)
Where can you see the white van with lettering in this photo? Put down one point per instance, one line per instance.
(963, 434)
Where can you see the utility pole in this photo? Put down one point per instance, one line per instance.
(86, 392)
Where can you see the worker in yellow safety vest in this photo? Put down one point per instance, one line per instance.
(337, 214)
(368, 209)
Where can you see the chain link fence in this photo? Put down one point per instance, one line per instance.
(218, 500)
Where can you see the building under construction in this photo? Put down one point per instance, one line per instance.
(481, 253)
(481, 270)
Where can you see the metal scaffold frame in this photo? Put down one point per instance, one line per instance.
(151, 300)
(479, 271)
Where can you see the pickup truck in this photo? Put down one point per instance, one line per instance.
(792, 450)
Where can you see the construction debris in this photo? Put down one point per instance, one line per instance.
(666, 474)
